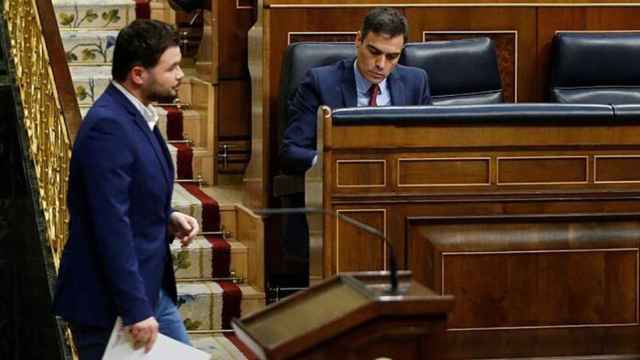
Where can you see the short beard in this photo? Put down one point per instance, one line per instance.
(154, 94)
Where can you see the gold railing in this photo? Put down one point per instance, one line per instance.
(48, 141)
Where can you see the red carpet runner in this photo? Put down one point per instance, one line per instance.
(221, 258)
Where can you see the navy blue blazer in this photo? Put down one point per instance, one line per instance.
(335, 86)
(117, 257)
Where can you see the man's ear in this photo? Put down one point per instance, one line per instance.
(138, 75)
(358, 38)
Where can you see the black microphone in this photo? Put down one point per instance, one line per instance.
(393, 266)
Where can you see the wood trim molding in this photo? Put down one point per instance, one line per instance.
(452, 4)
(595, 169)
(585, 157)
(487, 159)
(384, 173)
(595, 31)
(242, 7)
(318, 33)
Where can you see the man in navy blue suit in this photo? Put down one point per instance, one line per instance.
(373, 78)
(117, 260)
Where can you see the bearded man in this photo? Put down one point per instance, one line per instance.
(117, 261)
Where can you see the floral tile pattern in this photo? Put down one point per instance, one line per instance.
(200, 305)
(83, 48)
(183, 201)
(93, 14)
(188, 263)
(89, 83)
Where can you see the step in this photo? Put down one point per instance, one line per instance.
(94, 14)
(89, 47)
(227, 196)
(183, 201)
(201, 165)
(90, 82)
(217, 345)
(188, 115)
(194, 263)
(200, 304)
(193, 124)
(252, 300)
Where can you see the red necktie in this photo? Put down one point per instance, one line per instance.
(374, 90)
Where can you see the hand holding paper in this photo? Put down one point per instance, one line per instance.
(121, 347)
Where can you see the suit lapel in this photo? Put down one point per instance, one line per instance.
(396, 90)
(165, 151)
(348, 85)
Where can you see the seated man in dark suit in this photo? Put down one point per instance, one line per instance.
(373, 78)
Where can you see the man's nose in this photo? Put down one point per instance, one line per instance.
(380, 61)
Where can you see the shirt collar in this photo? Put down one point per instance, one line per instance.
(363, 85)
(148, 112)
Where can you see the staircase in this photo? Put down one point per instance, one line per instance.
(220, 275)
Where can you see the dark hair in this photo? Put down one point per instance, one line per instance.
(141, 43)
(387, 21)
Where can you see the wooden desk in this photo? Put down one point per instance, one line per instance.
(534, 226)
(523, 31)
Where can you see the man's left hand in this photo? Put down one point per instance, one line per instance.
(184, 227)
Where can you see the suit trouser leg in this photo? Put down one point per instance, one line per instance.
(90, 341)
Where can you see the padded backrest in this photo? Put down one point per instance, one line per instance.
(598, 68)
(461, 72)
(520, 113)
(298, 59)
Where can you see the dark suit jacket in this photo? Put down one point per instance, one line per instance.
(335, 86)
(117, 257)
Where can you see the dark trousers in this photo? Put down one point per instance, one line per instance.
(295, 243)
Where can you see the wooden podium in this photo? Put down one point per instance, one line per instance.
(351, 316)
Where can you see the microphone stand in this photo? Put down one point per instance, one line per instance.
(393, 265)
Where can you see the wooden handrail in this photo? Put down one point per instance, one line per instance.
(61, 73)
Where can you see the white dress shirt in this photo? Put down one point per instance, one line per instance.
(362, 89)
(147, 112)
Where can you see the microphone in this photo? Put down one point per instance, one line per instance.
(393, 266)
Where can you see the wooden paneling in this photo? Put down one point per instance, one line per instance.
(527, 279)
(361, 173)
(426, 3)
(234, 111)
(617, 169)
(235, 18)
(542, 170)
(424, 172)
(512, 28)
(250, 232)
(358, 250)
(347, 36)
(559, 288)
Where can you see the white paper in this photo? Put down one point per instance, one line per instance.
(120, 347)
